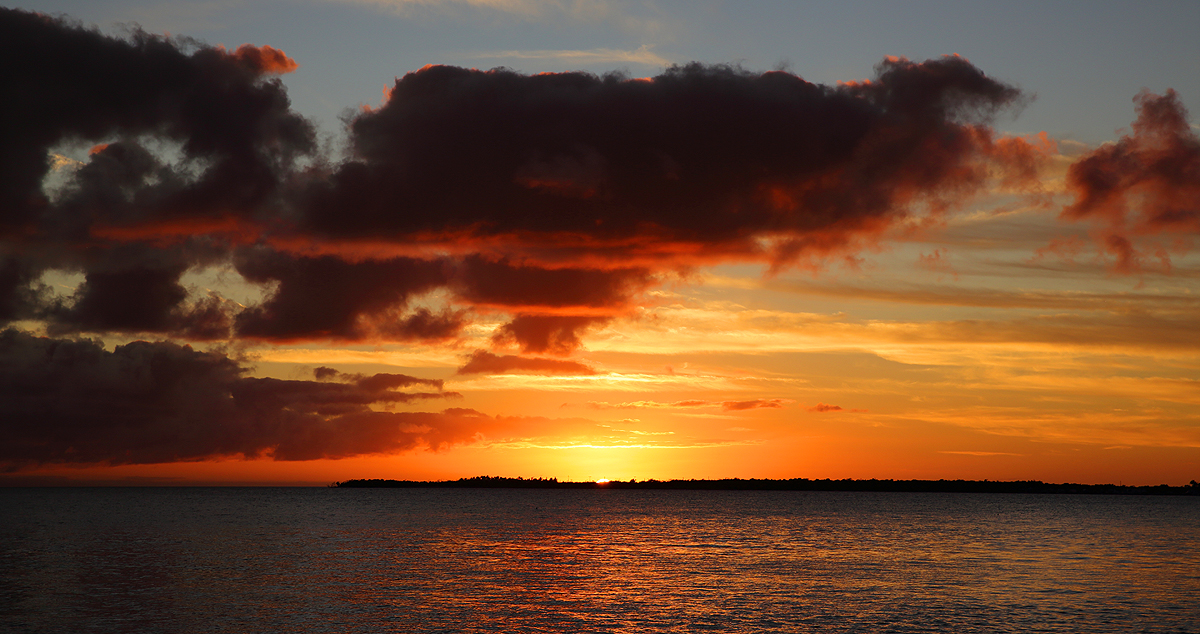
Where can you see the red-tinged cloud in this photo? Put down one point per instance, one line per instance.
(483, 362)
(72, 401)
(1146, 184)
(770, 403)
(938, 262)
(547, 334)
(759, 403)
(265, 59)
(822, 407)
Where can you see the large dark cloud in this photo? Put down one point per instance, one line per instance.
(72, 401)
(66, 83)
(501, 283)
(701, 154)
(557, 199)
(328, 297)
(1145, 184)
(128, 218)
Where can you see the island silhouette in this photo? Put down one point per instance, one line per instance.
(793, 484)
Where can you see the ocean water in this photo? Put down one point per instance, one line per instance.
(503, 560)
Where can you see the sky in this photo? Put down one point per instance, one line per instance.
(304, 241)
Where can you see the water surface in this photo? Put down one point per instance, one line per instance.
(510, 560)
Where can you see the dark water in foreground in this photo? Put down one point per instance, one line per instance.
(412, 560)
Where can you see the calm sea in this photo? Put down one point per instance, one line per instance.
(497, 560)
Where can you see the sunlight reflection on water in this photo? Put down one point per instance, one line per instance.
(496, 560)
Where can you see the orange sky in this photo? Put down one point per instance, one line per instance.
(642, 279)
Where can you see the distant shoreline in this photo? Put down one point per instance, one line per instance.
(795, 484)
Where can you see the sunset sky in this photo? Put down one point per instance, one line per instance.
(303, 241)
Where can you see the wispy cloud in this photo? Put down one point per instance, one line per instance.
(641, 55)
(981, 453)
(182, 17)
(769, 403)
(527, 444)
(630, 17)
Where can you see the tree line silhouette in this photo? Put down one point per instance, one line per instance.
(794, 484)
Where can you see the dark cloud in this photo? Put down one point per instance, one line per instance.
(822, 407)
(547, 334)
(127, 218)
(502, 283)
(423, 324)
(483, 362)
(702, 155)
(328, 297)
(384, 381)
(66, 83)
(132, 288)
(324, 398)
(1147, 183)
(19, 298)
(72, 401)
(137, 299)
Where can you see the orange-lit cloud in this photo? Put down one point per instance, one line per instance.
(1145, 184)
(937, 262)
(265, 59)
(547, 334)
(772, 403)
(822, 408)
(484, 362)
(769, 403)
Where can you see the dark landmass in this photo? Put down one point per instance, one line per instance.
(795, 484)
